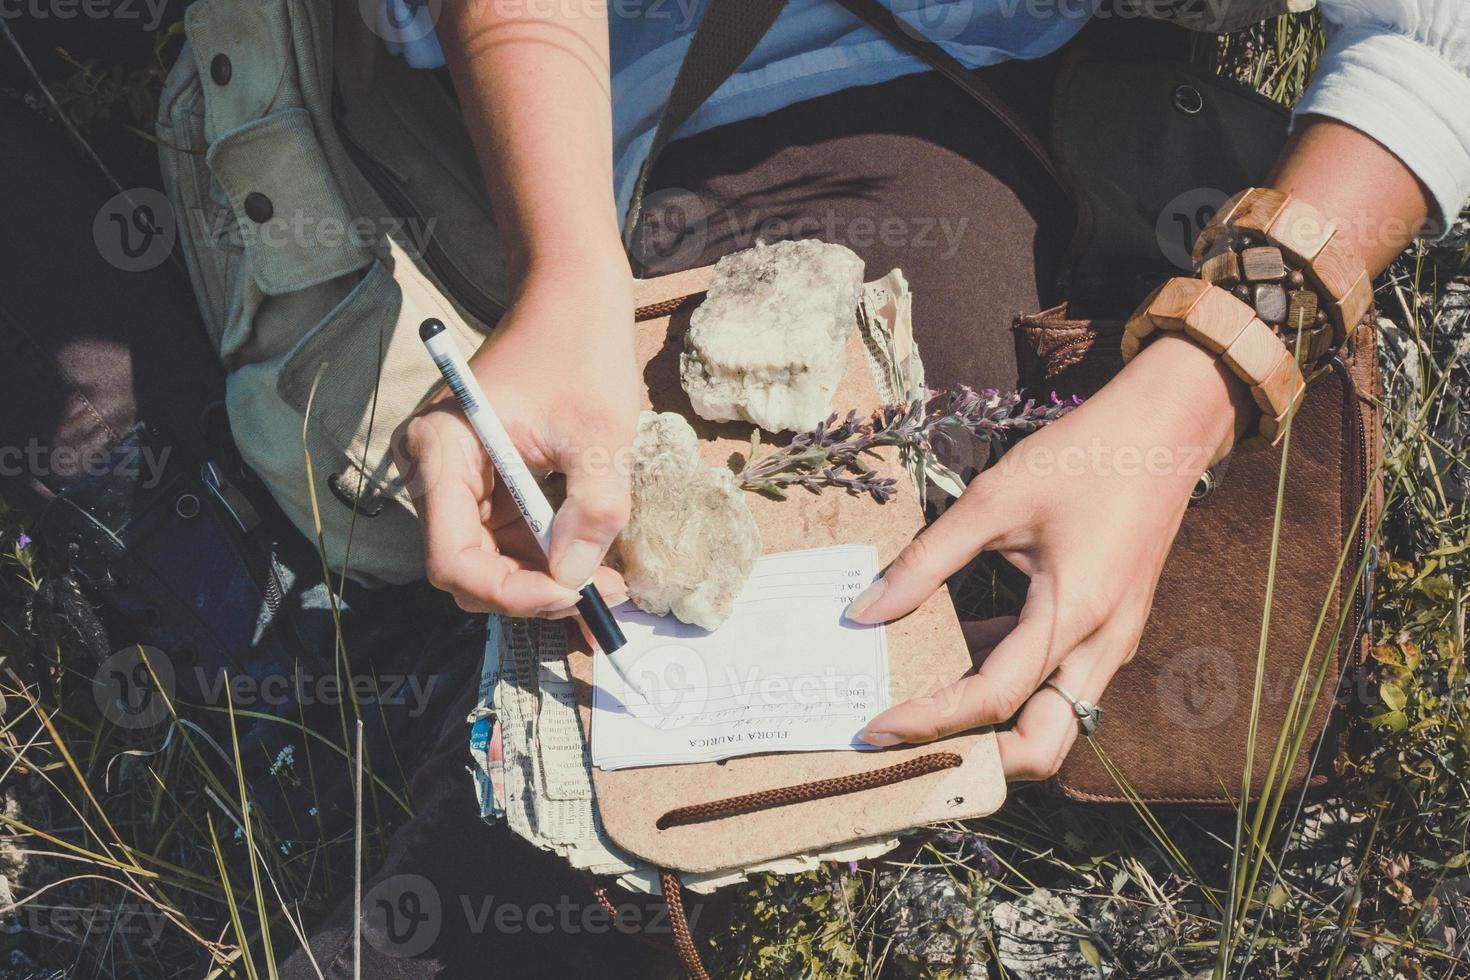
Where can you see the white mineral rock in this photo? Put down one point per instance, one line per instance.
(769, 343)
(691, 541)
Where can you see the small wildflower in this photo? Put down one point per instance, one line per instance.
(23, 541)
(285, 759)
(852, 867)
(973, 845)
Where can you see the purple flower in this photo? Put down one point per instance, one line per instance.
(834, 453)
(973, 845)
(852, 867)
(23, 541)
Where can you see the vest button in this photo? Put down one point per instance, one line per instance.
(258, 207)
(366, 503)
(220, 69)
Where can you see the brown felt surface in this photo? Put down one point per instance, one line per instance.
(926, 652)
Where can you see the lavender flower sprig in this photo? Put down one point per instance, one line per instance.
(832, 454)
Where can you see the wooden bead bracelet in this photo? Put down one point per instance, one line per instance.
(1279, 288)
(1223, 325)
(1297, 269)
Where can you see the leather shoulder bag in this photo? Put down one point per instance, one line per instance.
(1148, 149)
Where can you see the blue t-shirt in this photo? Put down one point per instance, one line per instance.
(814, 48)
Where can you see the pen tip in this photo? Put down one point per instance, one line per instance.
(431, 327)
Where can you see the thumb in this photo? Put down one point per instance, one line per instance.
(921, 568)
(595, 510)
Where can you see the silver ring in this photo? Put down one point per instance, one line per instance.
(1089, 715)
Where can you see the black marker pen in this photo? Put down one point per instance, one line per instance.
(515, 474)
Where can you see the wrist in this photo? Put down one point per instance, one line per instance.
(566, 318)
(573, 296)
(1196, 396)
(596, 256)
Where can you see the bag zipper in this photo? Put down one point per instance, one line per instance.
(459, 287)
(1365, 523)
(1342, 725)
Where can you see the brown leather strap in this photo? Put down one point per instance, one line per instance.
(885, 22)
(806, 792)
(679, 922)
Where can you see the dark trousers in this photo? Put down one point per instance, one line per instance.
(909, 174)
(86, 348)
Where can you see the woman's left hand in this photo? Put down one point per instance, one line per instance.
(1087, 508)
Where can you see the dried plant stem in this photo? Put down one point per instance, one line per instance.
(836, 452)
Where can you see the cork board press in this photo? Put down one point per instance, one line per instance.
(926, 652)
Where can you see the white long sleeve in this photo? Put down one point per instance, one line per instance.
(1399, 70)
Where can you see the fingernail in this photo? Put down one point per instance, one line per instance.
(567, 605)
(578, 563)
(880, 738)
(865, 600)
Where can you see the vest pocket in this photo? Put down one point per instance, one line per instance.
(242, 55)
(369, 369)
(294, 226)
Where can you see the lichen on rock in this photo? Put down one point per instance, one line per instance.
(691, 540)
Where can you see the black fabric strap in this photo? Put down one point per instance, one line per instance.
(725, 37)
(730, 31)
(885, 22)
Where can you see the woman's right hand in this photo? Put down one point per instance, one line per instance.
(560, 372)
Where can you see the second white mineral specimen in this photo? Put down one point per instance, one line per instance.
(769, 343)
(691, 540)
